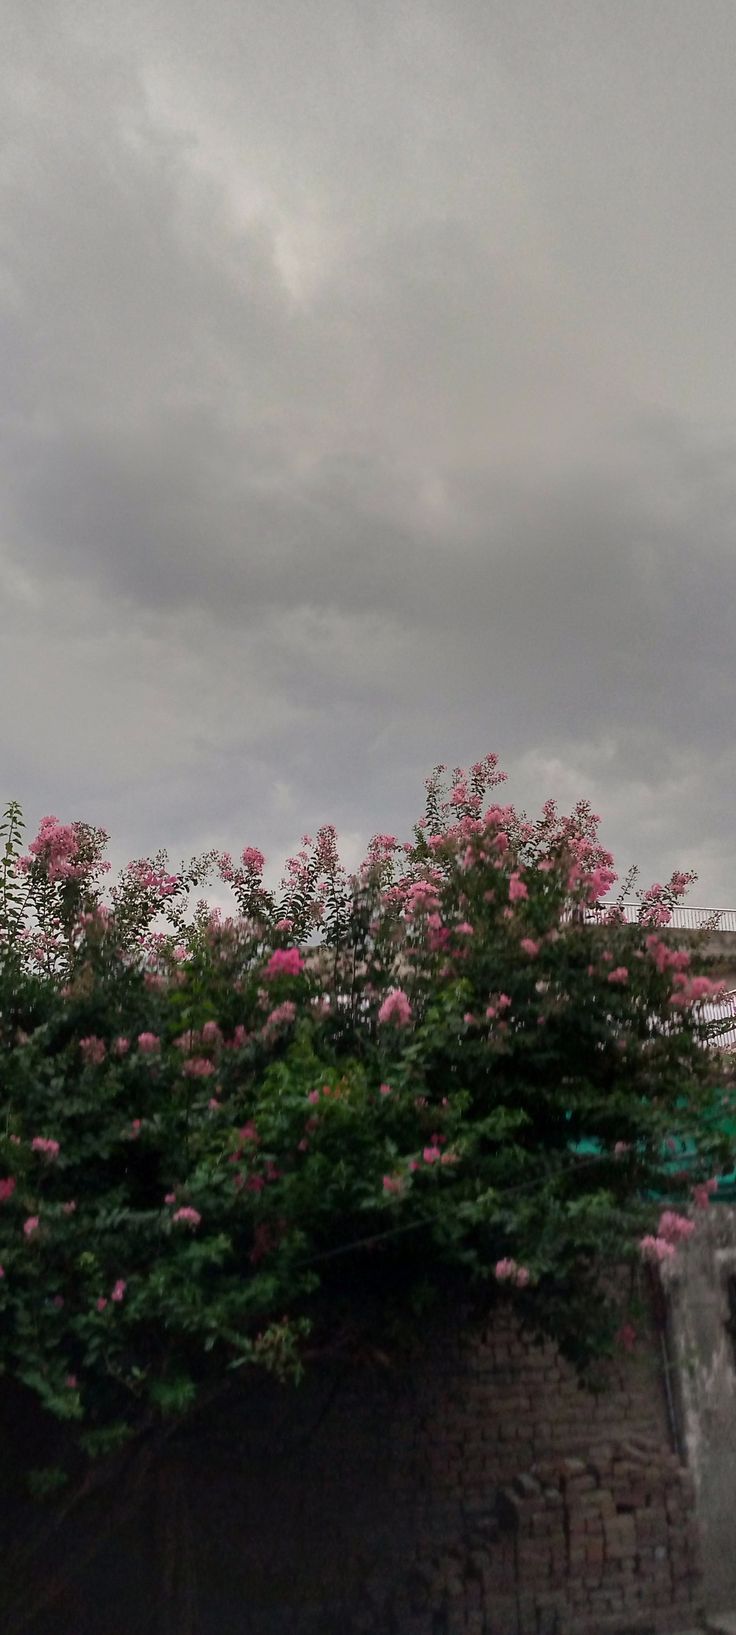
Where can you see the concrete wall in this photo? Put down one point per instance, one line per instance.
(704, 1361)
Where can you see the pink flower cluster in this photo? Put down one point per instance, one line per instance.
(285, 962)
(672, 1230)
(703, 1192)
(692, 990)
(198, 1067)
(186, 1216)
(674, 959)
(93, 1050)
(507, 1271)
(395, 1008)
(7, 1188)
(56, 846)
(149, 1044)
(45, 1145)
(421, 898)
(151, 878)
(281, 1016)
(253, 860)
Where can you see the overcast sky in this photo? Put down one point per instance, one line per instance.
(367, 400)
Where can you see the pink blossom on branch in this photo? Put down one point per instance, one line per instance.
(285, 962)
(149, 1044)
(507, 1271)
(656, 1250)
(186, 1216)
(396, 1008)
(46, 1146)
(93, 1050)
(673, 1227)
(253, 860)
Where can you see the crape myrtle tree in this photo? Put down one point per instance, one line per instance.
(252, 1142)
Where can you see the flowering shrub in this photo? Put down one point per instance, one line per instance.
(220, 1135)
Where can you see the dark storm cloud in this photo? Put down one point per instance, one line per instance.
(365, 403)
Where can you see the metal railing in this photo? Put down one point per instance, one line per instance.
(681, 919)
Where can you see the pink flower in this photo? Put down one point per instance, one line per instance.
(101, 1303)
(522, 1277)
(45, 1145)
(703, 1192)
(71, 1382)
(505, 1270)
(464, 929)
(211, 1034)
(2, 1271)
(393, 1183)
(93, 1050)
(198, 1067)
(170, 1198)
(118, 1291)
(673, 1227)
(517, 889)
(253, 860)
(121, 1046)
(31, 1225)
(620, 1147)
(395, 1008)
(69, 1208)
(384, 1090)
(431, 1155)
(283, 925)
(529, 946)
(187, 1217)
(283, 1014)
(285, 962)
(619, 975)
(313, 1096)
(7, 1188)
(655, 1250)
(149, 1044)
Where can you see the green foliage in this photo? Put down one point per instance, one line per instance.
(220, 1153)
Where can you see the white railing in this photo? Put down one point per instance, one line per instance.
(722, 1010)
(681, 919)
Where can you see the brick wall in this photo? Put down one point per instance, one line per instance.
(477, 1490)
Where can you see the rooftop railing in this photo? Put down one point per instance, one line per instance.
(681, 918)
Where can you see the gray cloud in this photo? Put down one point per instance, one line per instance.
(366, 403)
